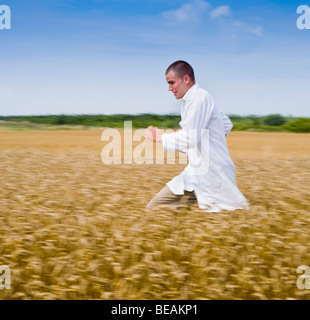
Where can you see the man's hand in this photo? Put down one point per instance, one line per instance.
(153, 133)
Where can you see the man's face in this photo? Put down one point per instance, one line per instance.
(177, 85)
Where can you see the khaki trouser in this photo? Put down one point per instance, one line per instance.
(165, 197)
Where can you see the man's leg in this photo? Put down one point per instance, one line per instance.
(165, 197)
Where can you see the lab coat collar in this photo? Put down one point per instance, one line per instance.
(189, 92)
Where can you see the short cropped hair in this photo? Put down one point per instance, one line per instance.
(181, 68)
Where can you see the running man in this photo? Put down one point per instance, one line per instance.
(209, 177)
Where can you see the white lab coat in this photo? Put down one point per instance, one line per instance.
(210, 171)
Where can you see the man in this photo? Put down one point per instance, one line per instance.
(209, 177)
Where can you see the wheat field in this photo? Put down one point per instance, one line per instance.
(72, 227)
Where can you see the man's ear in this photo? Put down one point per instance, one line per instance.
(186, 79)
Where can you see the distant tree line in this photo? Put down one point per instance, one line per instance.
(111, 121)
(272, 122)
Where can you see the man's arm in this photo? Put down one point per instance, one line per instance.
(227, 123)
(195, 124)
(197, 118)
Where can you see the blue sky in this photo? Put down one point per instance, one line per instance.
(106, 57)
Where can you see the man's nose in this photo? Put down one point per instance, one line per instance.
(170, 88)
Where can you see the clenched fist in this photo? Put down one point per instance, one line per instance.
(153, 133)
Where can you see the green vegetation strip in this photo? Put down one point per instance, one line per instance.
(273, 122)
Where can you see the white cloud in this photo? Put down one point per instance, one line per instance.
(190, 11)
(238, 23)
(221, 11)
(258, 31)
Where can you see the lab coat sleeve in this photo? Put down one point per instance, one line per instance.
(227, 123)
(197, 118)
